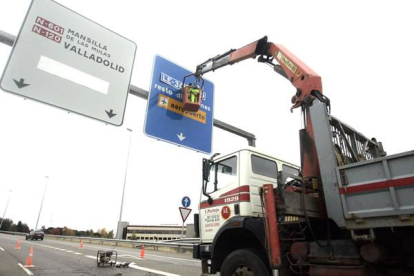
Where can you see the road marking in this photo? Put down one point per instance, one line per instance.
(25, 269)
(89, 256)
(64, 250)
(1, 248)
(172, 258)
(152, 270)
(150, 255)
(129, 252)
(131, 257)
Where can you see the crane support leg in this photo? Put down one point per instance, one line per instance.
(272, 233)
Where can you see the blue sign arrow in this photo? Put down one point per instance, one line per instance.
(186, 201)
(166, 119)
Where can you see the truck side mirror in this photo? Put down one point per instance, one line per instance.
(206, 169)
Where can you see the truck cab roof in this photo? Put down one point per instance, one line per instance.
(253, 150)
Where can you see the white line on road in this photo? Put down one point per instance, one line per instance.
(151, 255)
(133, 265)
(61, 249)
(25, 269)
(152, 270)
(1, 248)
(173, 258)
(133, 257)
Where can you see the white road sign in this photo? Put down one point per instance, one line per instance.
(185, 212)
(66, 60)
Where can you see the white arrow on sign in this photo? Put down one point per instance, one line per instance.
(181, 136)
(185, 212)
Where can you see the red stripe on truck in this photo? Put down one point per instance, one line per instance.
(381, 185)
(241, 189)
(226, 200)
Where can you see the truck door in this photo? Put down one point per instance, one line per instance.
(263, 170)
(223, 188)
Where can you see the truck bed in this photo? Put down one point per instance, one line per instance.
(378, 192)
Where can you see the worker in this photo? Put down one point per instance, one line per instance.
(193, 93)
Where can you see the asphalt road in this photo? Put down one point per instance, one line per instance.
(65, 258)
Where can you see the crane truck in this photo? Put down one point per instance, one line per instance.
(348, 210)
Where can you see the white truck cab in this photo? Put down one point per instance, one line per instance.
(233, 188)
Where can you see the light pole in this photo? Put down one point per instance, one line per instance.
(119, 228)
(41, 204)
(5, 210)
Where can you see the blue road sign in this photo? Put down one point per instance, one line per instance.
(186, 201)
(166, 119)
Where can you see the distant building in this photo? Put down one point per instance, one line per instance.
(154, 232)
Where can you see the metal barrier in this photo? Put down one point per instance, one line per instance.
(186, 245)
(13, 233)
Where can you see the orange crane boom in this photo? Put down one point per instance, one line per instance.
(308, 86)
(303, 78)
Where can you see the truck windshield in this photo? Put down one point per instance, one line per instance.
(223, 173)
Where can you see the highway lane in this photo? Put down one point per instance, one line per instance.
(64, 258)
(9, 262)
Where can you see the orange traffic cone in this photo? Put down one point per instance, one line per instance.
(17, 245)
(29, 260)
(81, 244)
(141, 254)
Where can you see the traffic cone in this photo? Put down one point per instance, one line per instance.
(29, 260)
(17, 245)
(81, 244)
(141, 254)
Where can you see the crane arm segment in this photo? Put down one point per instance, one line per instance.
(308, 84)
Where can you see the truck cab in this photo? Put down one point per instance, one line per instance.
(230, 199)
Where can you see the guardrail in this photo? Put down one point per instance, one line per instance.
(186, 240)
(13, 233)
(185, 245)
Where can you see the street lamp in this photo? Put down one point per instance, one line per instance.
(41, 204)
(5, 210)
(119, 228)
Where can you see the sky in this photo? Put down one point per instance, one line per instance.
(361, 49)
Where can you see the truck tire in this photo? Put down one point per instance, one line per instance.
(244, 262)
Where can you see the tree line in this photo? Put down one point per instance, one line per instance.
(8, 225)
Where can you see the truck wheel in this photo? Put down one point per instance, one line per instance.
(243, 262)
